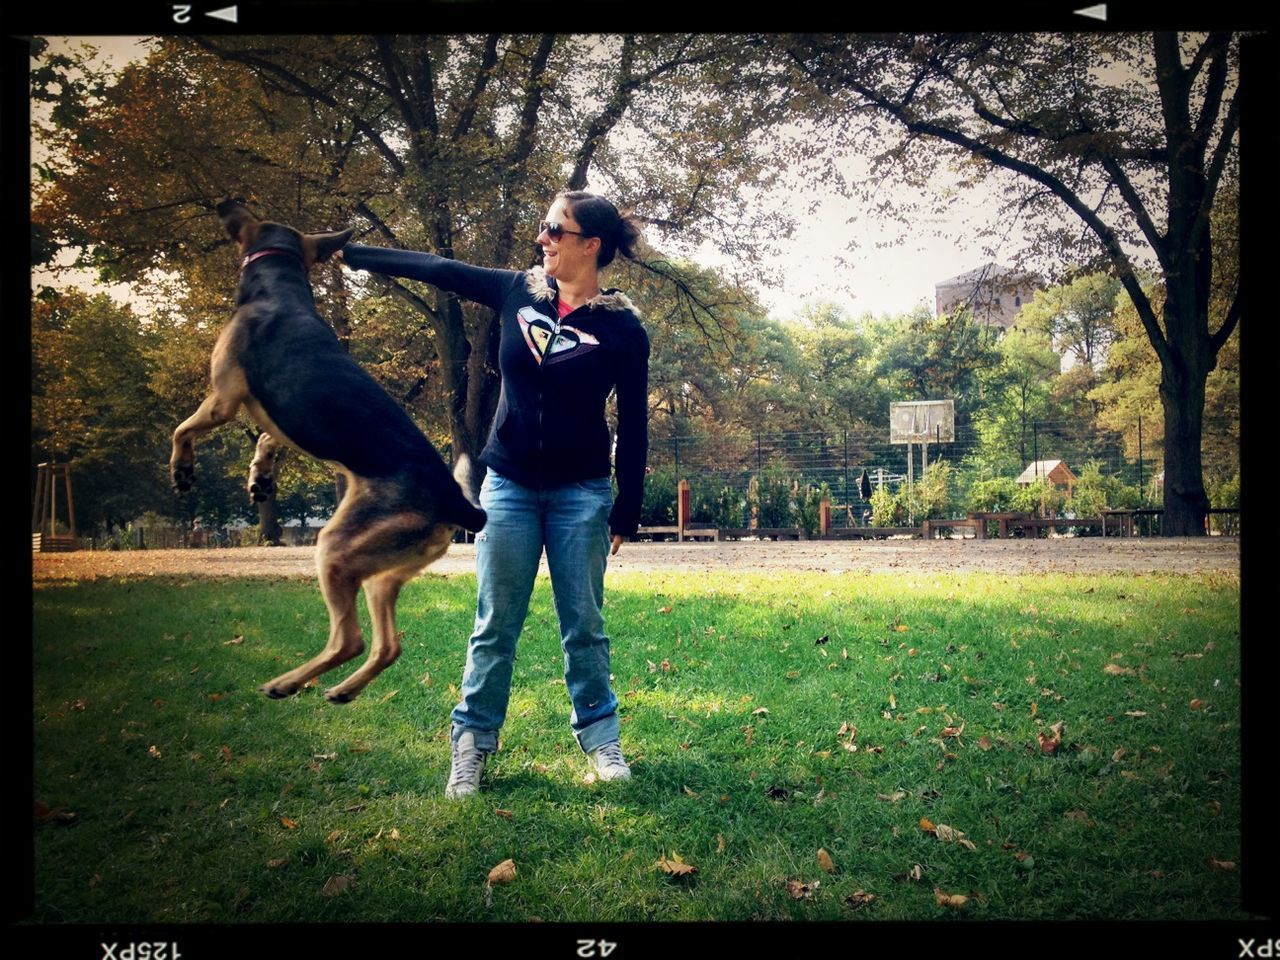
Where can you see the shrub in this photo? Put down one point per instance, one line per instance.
(658, 508)
(930, 496)
(728, 509)
(808, 506)
(1094, 493)
(1225, 493)
(1041, 497)
(992, 496)
(772, 501)
(886, 510)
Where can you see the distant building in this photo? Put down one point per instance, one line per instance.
(1055, 471)
(994, 293)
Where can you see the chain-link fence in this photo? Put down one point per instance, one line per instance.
(731, 458)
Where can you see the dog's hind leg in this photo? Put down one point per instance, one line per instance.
(398, 563)
(262, 472)
(217, 409)
(339, 584)
(380, 593)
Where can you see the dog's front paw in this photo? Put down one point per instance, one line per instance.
(182, 475)
(261, 488)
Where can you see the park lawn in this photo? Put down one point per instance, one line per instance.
(767, 717)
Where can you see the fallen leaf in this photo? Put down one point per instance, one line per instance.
(759, 710)
(825, 862)
(750, 732)
(95, 880)
(336, 885)
(279, 862)
(388, 696)
(675, 867)
(952, 835)
(802, 891)
(927, 825)
(997, 706)
(1135, 713)
(78, 705)
(951, 731)
(226, 753)
(1048, 745)
(985, 743)
(858, 898)
(1077, 816)
(394, 834)
(154, 751)
(891, 797)
(954, 900)
(57, 815)
(1115, 670)
(1196, 704)
(504, 813)
(504, 872)
(689, 793)
(719, 843)
(238, 639)
(664, 609)
(334, 836)
(844, 653)
(215, 697)
(288, 824)
(902, 628)
(665, 666)
(1224, 865)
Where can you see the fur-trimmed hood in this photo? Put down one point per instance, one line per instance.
(540, 287)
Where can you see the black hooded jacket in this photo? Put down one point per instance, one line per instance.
(549, 428)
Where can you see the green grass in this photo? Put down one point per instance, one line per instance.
(727, 701)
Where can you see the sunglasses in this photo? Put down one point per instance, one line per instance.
(556, 230)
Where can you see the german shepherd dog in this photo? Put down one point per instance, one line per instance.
(285, 366)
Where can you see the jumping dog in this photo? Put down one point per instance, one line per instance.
(279, 360)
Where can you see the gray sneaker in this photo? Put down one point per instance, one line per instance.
(608, 763)
(468, 764)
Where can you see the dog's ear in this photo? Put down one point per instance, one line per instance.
(242, 226)
(321, 246)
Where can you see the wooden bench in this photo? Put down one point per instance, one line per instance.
(929, 527)
(691, 532)
(870, 533)
(1042, 523)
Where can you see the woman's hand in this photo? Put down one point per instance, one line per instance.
(617, 542)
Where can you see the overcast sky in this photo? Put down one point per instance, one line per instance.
(886, 273)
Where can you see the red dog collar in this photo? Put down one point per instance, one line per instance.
(266, 252)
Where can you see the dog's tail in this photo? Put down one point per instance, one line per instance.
(471, 516)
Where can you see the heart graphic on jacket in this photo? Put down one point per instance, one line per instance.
(548, 344)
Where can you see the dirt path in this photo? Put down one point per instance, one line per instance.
(1060, 555)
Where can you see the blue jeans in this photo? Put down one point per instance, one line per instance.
(572, 523)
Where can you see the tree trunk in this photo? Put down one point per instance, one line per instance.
(1185, 501)
(269, 529)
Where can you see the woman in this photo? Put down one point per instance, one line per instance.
(565, 346)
